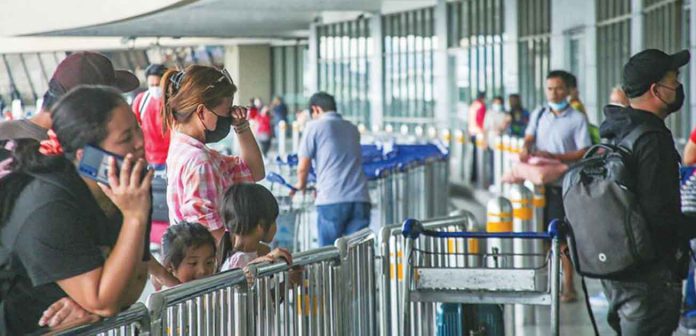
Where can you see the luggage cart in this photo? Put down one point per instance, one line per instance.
(296, 216)
(498, 285)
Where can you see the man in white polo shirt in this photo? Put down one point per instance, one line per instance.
(557, 131)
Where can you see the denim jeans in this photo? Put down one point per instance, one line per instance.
(340, 219)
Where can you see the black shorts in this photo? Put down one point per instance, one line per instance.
(554, 205)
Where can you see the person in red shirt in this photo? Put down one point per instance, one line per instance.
(690, 150)
(147, 107)
(264, 132)
(477, 114)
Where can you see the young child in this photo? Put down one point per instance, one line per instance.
(188, 251)
(249, 212)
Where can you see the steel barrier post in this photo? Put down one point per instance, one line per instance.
(295, 137)
(539, 204)
(499, 219)
(432, 133)
(507, 153)
(482, 158)
(522, 199)
(282, 138)
(499, 157)
(457, 156)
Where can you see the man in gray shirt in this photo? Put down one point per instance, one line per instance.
(343, 201)
(557, 131)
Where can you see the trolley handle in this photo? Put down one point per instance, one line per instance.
(413, 228)
(277, 179)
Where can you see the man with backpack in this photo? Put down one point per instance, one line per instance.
(623, 203)
(557, 131)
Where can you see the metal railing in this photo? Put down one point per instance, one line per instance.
(216, 305)
(131, 322)
(353, 288)
(358, 255)
(307, 305)
(391, 246)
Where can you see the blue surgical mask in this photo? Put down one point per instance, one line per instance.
(559, 106)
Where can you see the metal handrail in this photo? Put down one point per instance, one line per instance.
(299, 259)
(136, 314)
(158, 301)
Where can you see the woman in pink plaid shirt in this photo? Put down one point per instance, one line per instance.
(197, 107)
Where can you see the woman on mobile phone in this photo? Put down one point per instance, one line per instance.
(197, 107)
(62, 235)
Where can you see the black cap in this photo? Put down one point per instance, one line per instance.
(648, 67)
(155, 70)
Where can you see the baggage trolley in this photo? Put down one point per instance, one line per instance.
(295, 219)
(477, 285)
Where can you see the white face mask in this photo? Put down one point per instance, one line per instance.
(155, 91)
(497, 107)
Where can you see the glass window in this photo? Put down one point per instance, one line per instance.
(408, 67)
(666, 28)
(613, 46)
(287, 75)
(477, 51)
(533, 50)
(344, 54)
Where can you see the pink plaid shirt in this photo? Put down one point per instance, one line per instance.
(197, 179)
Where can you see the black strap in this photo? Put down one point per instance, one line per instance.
(143, 105)
(536, 123)
(630, 139)
(536, 128)
(589, 308)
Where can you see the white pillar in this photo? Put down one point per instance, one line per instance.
(637, 26)
(589, 92)
(376, 94)
(249, 67)
(510, 47)
(312, 79)
(441, 68)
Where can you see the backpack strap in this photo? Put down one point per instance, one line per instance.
(632, 137)
(143, 104)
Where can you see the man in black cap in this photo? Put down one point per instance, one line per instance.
(648, 301)
(81, 68)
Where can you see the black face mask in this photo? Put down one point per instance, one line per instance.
(676, 105)
(222, 129)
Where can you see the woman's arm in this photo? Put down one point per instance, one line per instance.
(250, 152)
(105, 290)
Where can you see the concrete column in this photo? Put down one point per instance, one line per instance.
(312, 79)
(637, 26)
(376, 94)
(441, 67)
(510, 47)
(589, 90)
(250, 68)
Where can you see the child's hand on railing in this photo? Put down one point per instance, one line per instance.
(295, 275)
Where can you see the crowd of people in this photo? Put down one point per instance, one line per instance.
(74, 249)
(646, 300)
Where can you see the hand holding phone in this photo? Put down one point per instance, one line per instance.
(129, 190)
(125, 181)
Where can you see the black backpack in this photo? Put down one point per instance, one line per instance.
(608, 235)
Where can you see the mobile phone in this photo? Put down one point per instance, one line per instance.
(95, 164)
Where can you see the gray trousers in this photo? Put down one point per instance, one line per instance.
(649, 305)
